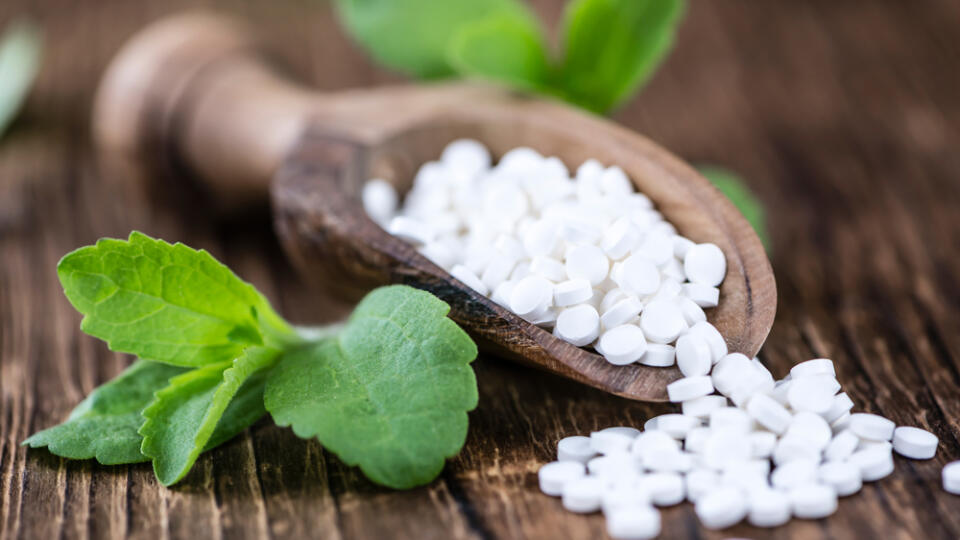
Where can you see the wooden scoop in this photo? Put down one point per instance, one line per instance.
(190, 95)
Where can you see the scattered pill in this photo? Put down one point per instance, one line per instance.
(658, 355)
(553, 476)
(721, 508)
(768, 508)
(634, 523)
(768, 413)
(623, 345)
(704, 296)
(662, 321)
(578, 325)
(583, 495)
(794, 473)
(951, 477)
(609, 441)
(705, 263)
(576, 448)
(622, 312)
(914, 443)
(813, 393)
(813, 501)
(817, 366)
(469, 279)
(701, 407)
(841, 446)
(842, 477)
(689, 388)
(693, 355)
(379, 200)
(871, 427)
(531, 295)
(666, 488)
(873, 463)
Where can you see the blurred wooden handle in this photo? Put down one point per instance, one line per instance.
(191, 92)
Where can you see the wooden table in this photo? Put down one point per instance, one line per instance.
(843, 116)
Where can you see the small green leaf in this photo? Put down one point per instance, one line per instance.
(168, 303)
(613, 47)
(182, 419)
(20, 50)
(105, 424)
(390, 394)
(502, 48)
(413, 36)
(741, 196)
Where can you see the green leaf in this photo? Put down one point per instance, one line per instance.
(168, 303)
(105, 424)
(613, 47)
(182, 419)
(390, 394)
(502, 48)
(20, 50)
(739, 193)
(413, 36)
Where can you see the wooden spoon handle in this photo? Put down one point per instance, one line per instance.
(191, 91)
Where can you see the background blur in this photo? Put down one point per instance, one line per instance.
(843, 117)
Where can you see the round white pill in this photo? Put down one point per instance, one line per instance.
(768, 413)
(649, 442)
(814, 393)
(914, 443)
(587, 262)
(639, 275)
(379, 200)
(583, 495)
(614, 182)
(874, 463)
(619, 238)
(693, 355)
(658, 355)
(721, 508)
(813, 501)
(497, 270)
(626, 491)
(689, 388)
(681, 246)
(469, 279)
(794, 473)
(842, 477)
(553, 476)
(872, 427)
(661, 321)
(792, 447)
(817, 366)
(574, 291)
(623, 344)
(613, 465)
(611, 440)
(696, 439)
(692, 313)
(466, 155)
(810, 427)
(578, 325)
(704, 296)
(622, 312)
(532, 294)
(768, 508)
(666, 488)
(841, 446)
(951, 477)
(576, 448)
(841, 404)
(705, 263)
(718, 347)
(611, 297)
(728, 371)
(702, 406)
(639, 522)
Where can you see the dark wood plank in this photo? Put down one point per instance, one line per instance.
(842, 115)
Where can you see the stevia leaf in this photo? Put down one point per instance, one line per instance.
(613, 46)
(740, 195)
(502, 48)
(105, 424)
(20, 51)
(168, 303)
(202, 408)
(390, 394)
(413, 36)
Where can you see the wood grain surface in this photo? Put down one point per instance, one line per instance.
(843, 116)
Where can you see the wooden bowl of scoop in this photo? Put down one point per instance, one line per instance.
(191, 96)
